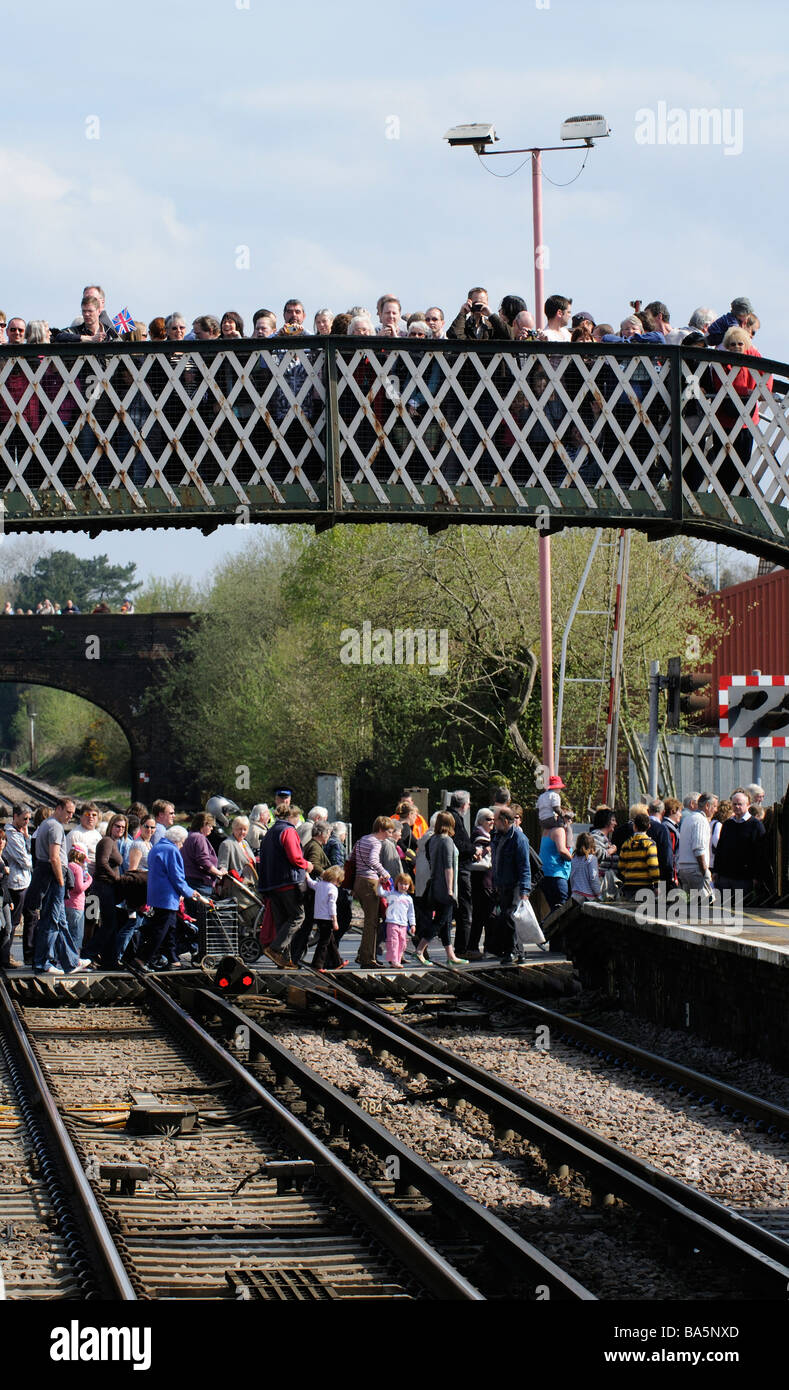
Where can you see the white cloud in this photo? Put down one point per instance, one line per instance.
(26, 180)
(113, 228)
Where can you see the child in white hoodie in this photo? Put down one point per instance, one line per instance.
(400, 917)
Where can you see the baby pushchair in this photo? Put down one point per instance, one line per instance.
(251, 908)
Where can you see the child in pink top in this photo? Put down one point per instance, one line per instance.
(78, 881)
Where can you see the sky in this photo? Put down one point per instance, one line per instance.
(201, 155)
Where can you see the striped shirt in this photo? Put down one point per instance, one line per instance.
(368, 858)
(638, 861)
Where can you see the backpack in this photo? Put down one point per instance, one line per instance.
(349, 873)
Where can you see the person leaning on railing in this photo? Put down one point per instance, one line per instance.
(744, 385)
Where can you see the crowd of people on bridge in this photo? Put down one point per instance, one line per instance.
(92, 892)
(292, 387)
(49, 608)
(474, 321)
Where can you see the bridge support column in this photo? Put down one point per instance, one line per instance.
(546, 652)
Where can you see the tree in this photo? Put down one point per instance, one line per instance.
(267, 688)
(177, 593)
(75, 732)
(18, 554)
(60, 576)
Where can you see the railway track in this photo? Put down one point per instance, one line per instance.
(698, 1088)
(13, 787)
(54, 1241)
(208, 1187)
(743, 1258)
(700, 1097)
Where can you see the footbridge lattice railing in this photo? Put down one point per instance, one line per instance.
(664, 438)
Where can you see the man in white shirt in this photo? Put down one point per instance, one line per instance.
(693, 860)
(86, 834)
(558, 313)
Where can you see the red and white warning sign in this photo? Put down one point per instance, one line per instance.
(754, 711)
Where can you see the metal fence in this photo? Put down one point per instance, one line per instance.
(700, 764)
(359, 429)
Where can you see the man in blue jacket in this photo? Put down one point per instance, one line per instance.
(511, 874)
(740, 309)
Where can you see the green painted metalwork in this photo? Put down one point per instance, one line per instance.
(324, 430)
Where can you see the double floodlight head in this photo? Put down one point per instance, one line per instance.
(478, 135)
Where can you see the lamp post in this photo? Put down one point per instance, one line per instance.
(577, 133)
(32, 714)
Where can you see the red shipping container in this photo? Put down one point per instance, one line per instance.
(755, 616)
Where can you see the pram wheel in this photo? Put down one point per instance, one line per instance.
(249, 947)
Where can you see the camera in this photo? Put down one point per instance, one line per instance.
(478, 307)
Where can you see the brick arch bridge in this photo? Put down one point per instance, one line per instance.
(114, 661)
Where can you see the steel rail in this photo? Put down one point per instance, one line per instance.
(695, 1085)
(425, 1263)
(519, 1256)
(78, 1197)
(36, 792)
(30, 788)
(705, 1220)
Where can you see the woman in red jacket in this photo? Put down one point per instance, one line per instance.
(746, 387)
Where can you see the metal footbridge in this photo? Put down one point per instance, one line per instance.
(327, 430)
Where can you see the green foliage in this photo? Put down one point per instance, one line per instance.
(178, 593)
(60, 576)
(79, 734)
(265, 689)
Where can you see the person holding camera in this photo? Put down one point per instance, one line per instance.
(475, 321)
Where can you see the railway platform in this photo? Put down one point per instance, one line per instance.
(723, 982)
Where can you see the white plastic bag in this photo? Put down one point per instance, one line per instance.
(527, 928)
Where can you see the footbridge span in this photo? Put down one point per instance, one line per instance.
(329, 430)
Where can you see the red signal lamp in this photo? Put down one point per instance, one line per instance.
(233, 976)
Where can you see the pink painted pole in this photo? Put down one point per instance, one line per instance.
(546, 651)
(544, 542)
(536, 203)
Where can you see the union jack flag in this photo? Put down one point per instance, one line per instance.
(123, 322)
